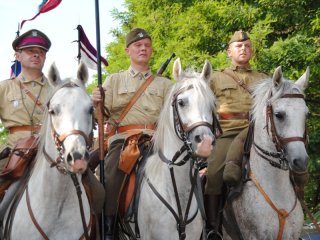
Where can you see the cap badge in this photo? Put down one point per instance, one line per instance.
(140, 34)
(34, 33)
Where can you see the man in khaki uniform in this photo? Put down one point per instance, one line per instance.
(231, 87)
(119, 89)
(19, 113)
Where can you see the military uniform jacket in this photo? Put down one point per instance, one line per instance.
(231, 97)
(16, 107)
(121, 87)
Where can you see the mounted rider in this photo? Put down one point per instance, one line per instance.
(119, 89)
(231, 87)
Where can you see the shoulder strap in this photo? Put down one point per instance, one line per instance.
(231, 74)
(26, 91)
(135, 98)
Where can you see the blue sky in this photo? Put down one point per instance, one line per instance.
(59, 25)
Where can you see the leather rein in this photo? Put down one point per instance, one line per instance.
(182, 131)
(59, 140)
(280, 155)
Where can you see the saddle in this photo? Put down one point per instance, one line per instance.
(20, 157)
(131, 163)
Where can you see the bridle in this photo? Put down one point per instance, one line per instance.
(280, 154)
(278, 141)
(182, 131)
(59, 144)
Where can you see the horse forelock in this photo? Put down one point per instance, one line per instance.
(205, 98)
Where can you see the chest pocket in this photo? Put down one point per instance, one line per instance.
(152, 100)
(227, 91)
(15, 103)
(124, 95)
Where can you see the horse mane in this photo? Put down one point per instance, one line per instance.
(265, 86)
(205, 97)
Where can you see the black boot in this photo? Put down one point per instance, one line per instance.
(109, 223)
(213, 226)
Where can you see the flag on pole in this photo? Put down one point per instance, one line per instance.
(15, 69)
(45, 6)
(88, 53)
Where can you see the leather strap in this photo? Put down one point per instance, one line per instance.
(231, 74)
(131, 127)
(134, 99)
(27, 92)
(30, 128)
(282, 213)
(233, 115)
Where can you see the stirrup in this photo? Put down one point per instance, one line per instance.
(213, 235)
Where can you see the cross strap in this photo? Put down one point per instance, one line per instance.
(27, 92)
(231, 74)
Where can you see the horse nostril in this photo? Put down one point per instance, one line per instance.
(86, 155)
(197, 139)
(74, 156)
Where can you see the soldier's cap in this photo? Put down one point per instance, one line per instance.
(239, 36)
(32, 38)
(136, 35)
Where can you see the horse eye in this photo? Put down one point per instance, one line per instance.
(51, 111)
(279, 115)
(181, 103)
(91, 110)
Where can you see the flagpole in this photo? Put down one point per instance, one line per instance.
(79, 52)
(100, 109)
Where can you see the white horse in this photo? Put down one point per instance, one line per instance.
(168, 208)
(49, 207)
(268, 207)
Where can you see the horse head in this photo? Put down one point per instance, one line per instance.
(192, 109)
(285, 115)
(70, 121)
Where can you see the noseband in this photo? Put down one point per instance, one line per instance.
(279, 141)
(60, 138)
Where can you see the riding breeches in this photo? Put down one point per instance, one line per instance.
(113, 177)
(216, 163)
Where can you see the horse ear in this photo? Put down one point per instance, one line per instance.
(302, 82)
(206, 71)
(83, 74)
(277, 77)
(177, 69)
(53, 75)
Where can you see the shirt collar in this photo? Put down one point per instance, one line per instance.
(246, 68)
(135, 73)
(41, 80)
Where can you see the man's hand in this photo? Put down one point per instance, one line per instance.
(96, 97)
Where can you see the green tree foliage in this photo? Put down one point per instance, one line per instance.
(283, 33)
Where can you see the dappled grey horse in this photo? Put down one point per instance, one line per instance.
(268, 207)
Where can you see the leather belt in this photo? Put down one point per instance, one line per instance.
(132, 127)
(29, 128)
(233, 115)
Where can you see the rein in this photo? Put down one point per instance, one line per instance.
(182, 131)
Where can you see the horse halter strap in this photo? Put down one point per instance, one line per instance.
(278, 140)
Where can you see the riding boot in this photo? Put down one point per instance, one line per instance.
(109, 224)
(213, 226)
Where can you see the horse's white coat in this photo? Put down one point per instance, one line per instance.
(53, 197)
(197, 104)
